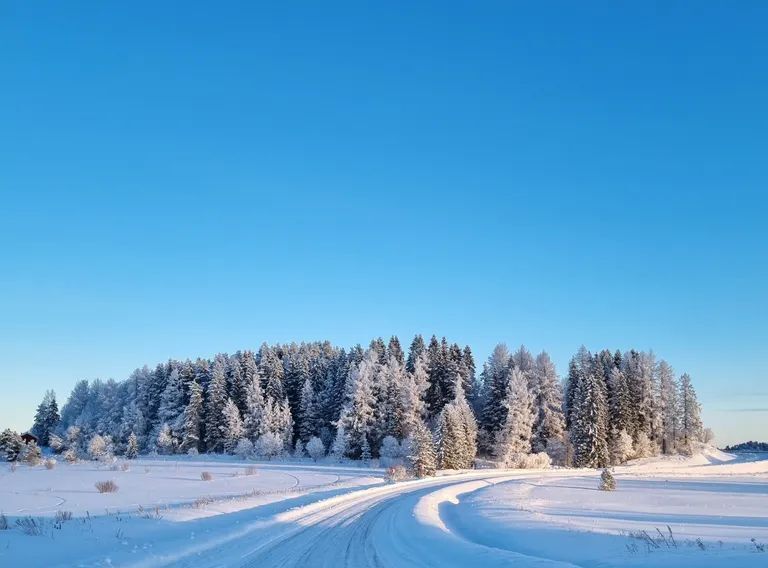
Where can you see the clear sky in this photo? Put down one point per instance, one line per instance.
(179, 179)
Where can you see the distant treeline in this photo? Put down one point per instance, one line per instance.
(748, 447)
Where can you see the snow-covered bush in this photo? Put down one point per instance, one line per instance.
(390, 451)
(621, 447)
(50, 463)
(166, 443)
(396, 473)
(56, 443)
(193, 451)
(644, 448)
(30, 453)
(99, 448)
(315, 448)
(206, 476)
(607, 481)
(527, 461)
(269, 445)
(10, 445)
(244, 448)
(298, 449)
(70, 455)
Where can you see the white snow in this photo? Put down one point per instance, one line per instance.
(302, 514)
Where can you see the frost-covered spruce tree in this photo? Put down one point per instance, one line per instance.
(308, 412)
(619, 402)
(589, 421)
(254, 408)
(192, 434)
(421, 457)
(132, 448)
(412, 395)
(340, 444)
(358, 414)
(417, 349)
(578, 367)
(514, 437)
(46, 418)
(495, 375)
(249, 374)
(689, 415)
(390, 412)
(449, 439)
(666, 405)
(215, 423)
(272, 371)
(171, 409)
(549, 421)
(234, 429)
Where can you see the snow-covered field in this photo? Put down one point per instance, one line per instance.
(700, 511)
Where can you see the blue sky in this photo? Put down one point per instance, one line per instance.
(179, 179)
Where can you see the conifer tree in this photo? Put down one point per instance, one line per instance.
(254, 408)
(215, 424)
(416, 350)
(549, 422)
(234, 430)
(192, 434)
(589, 427)
(514, 437)
(422, 456)
(689, 415)
(46, 418)
(496, 374)
(132, 448)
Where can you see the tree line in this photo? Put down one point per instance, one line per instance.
(428, 405)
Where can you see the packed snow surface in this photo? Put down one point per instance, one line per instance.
(708, 510)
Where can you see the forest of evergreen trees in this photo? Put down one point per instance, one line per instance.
(427, 404)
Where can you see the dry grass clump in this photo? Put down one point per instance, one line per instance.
(206, 476)
(107, 486)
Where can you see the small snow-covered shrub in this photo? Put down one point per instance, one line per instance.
(251, 470)
(56, 443)
(621, 447)
(193, 451)
(3, 522)
(315, 448)
(100, 448)
(607, 481)
(244, 448)
(29, 526)
(12, 468)
(528, 461)
(70, 455)
(397, 473)
(206, 476)
(644, 448)
(390, 452)
(50, 463)
(269, 445)
(125, 466)
(107, 486)
(31, 454)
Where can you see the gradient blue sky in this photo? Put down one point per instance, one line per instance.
(180, 178)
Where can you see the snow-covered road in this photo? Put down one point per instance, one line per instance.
(396, 525)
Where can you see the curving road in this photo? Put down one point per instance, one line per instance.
(392, 526)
